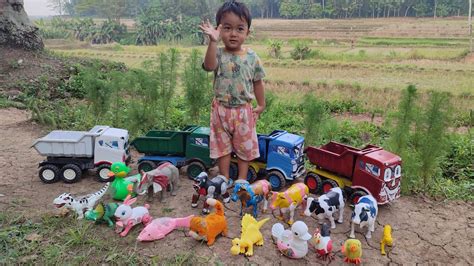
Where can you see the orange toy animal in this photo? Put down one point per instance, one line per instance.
(209, 227)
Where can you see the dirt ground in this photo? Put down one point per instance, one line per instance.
(424, 231)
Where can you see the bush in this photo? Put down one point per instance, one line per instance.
(301, 51)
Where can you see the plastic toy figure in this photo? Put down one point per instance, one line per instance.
(289, 200)
(123, 186)
(292, 243)
(251, 195)
(250, 235)
(364, 213)
(352, 250)
(322, 242)
(127, 217)
(209, 227)
(160, 227)
(211, 188)
(326, 205)
(158, 180)
(386, 238)
(103, 213)
(80, 204)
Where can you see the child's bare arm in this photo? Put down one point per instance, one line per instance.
(259, 91)
(210, 60)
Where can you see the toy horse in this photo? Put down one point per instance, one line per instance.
(251, 195)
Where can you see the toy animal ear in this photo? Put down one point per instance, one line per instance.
(129, 201)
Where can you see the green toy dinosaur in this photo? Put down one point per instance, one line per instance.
(121, 187)
(103, 213)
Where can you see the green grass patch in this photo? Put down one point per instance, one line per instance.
(397, 41)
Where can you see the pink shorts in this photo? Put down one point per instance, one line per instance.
(233, 129)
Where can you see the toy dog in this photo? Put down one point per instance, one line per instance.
(212, 188)
(158, 179)
(352, 250)
(251, 195)
(80, 204)
(292, 243)
(289, 200)
(128, 217)
(386, 238)
(326, 205)
(160, 227)
(209, 227)
(250, 235)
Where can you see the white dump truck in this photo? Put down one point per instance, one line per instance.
(68, 153)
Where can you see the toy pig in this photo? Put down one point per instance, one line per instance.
(127, 217)
(292, 243)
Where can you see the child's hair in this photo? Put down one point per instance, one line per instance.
(238, 8)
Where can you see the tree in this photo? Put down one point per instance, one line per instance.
(16, 29)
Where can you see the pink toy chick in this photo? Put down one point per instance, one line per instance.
(160, 227)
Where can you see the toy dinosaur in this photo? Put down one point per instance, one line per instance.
(386, 238)
(103, 213)
(250, 235)
(160, 227)
(352, 249)
(122, 186)
(127, 217)
(80, 204)
(209, 227)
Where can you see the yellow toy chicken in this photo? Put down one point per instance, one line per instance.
(352, 249)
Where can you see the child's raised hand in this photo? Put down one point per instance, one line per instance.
(209, 30)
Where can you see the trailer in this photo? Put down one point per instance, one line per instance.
(187, 147)
(370, 170)
(68, 153)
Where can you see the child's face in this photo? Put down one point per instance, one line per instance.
(234, 31)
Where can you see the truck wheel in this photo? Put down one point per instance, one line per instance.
(71, 173)
(102, 173)
(251, 175)
(49, 173)
(328, 184)
(314, 183)
(234, 171)
(194, 169)
(146, 166)
(355, 196)
(277, 180)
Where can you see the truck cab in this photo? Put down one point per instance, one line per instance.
(111, 145)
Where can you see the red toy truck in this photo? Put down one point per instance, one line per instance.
(370, 170)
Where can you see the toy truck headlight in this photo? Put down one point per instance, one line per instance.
(387, 175)
(398, 171)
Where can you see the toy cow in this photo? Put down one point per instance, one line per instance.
(157, 180)
(326, 205)
(211, 188)
(127, 217)
(289, 200)
(364, 213)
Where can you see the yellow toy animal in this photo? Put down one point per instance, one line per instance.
(250, 235)
(209, 227)
(352, 250)
(386, 238)
(289, 200)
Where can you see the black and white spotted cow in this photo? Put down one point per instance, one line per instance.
(364, 213)
(326, 205)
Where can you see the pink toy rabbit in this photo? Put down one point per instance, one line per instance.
(127, 217)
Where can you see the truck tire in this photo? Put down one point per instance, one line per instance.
(234, 171)
(146, 166)
(277, 180)
(194, 169)
(71, 173)
(314, 183)
(102, 173)
(355, 196)
(251, 175)
(328, 184)
(49, 174)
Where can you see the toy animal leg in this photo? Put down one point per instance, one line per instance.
(194, 202)
(369, 233)
(226, 197)
(224, 231)
(109, 221)
(249, 250)
(255, 210)
(259, 242)
(205, 209)
(80, 215)
(147, 219)
(333, 223)
(211, 240)
(125, 231)
(352, 235)
(280, 217)
(265, 205)
(341, 212)
(382, 248)
(292, 213)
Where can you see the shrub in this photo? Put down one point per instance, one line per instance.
(301, 50)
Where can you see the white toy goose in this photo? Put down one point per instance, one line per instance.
(292, 243)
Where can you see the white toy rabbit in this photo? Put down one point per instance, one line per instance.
(128, 217)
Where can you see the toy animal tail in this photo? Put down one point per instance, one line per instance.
(99, 194)
(262, 222)
(217, 204)
(184, 222)
(277, 230)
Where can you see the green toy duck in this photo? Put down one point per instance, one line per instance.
(121, 187)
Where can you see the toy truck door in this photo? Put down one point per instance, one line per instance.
(111, 146)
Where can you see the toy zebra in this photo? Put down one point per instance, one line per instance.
(80, 204)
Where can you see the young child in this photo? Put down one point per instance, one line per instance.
(238, 74)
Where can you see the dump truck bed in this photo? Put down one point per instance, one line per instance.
(163, 142)
(336, 157)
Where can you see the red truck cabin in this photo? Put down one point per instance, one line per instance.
(380, 173)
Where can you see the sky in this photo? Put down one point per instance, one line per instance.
(38, 8)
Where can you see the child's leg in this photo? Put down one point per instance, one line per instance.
(243, 168)
(224, 165)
